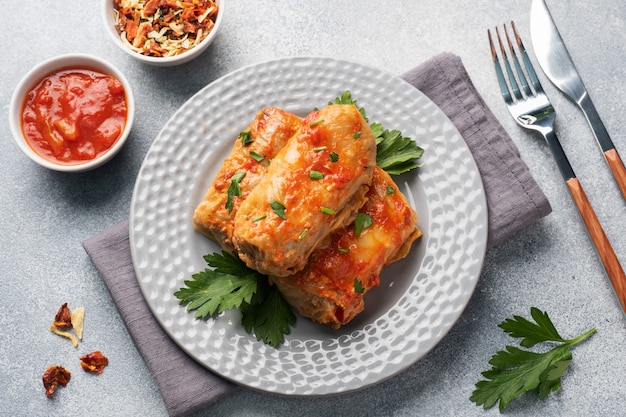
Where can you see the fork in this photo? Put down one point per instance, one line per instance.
(531, 108)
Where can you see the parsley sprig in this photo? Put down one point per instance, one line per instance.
(395, 153)
(516, 371)
(231, 284)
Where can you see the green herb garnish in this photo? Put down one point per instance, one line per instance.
(231, 284)
(358, 286)
(516, 371)
(320, 148)
(361, 221)
(316, 175)
(256, 156)
(356, 135)
(233, 189)
(334, 157)
(327, 210)
(390, 190)
(317, 122)
(259, 218)
(246, 137)
(278, 208)
(395, 153)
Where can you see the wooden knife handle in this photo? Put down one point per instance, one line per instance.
(618, 169)
(601, 242)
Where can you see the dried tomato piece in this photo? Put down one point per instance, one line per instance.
(94, 362)
(63, 318)
(54, 376)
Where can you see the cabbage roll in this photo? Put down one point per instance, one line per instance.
(331, 287)
(313, 186)
(246, 165)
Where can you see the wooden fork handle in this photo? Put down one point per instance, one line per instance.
(618, 169)
(601, 242)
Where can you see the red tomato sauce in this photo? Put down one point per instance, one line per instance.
(74, 115)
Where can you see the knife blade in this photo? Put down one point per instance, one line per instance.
(558, 66)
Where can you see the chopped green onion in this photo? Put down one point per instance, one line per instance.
(303, 234)
(258, 219)
(320, 148)
(317, 122)
(390, 190)
(279, 209)
(256, 156)
(327, 210)
(316, 175)
(343, 250)
(356, 135)
(334, 157)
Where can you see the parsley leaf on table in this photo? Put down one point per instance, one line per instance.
(516, 371)
(231, 284)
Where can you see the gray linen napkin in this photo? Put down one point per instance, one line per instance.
(514, 201)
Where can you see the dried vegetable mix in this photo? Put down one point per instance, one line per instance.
(164, 27)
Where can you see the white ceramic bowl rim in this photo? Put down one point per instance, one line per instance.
(107, 18)
(46, 67)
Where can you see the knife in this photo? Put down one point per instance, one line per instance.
(559, 68)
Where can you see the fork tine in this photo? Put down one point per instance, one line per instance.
(507, 66)
(529, 66)
(518, 67)
(504, 88)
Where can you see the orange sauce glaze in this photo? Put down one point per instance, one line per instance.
(74, 115)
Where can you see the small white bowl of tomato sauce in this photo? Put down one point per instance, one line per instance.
(162, 32)
(72, 113)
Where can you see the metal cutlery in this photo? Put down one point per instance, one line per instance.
(531, 109)
(558, 66)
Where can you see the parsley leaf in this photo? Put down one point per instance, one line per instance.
(395, 153)
(231, 284)
(211, 292)
(358, 286)
(515, 371)
(269, 316)
(361, 221)
(234, 190)
(532, 333)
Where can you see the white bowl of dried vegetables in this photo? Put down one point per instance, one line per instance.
(163, 32)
